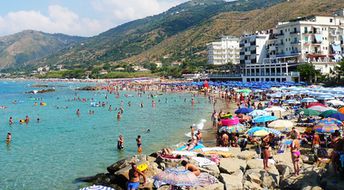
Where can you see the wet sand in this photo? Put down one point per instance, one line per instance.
(209, 133)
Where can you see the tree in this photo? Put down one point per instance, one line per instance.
(339, 69)
(307, 72)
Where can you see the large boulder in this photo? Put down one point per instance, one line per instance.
(261, 178)
(231, 165)
(234, 181)
(246, 155)
(212, 170)
(117, 166)
(309, 178)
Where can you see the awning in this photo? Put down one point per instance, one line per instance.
(336, 48)
(318, 38)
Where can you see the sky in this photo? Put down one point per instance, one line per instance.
(75, 17)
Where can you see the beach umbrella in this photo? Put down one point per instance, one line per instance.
(328, 113)
(262, 131)
(243, 110)
(341, 110)
(275, 108)
(308, 112)
(97, 187)
(308, 100)
(245, 91)
(325, 128)
(292, 101)
(336, 102)
(256, 113)
(239, 128)
(177, 177)
(281, 124)
(263, 119)
(330, 121)
(230, 121)
(325, 97)
(338, 116)
(315, 104)
(320, 108)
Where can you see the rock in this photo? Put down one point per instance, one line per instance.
(150, 159)
(310, 177)
(312, 188)
(261, 178)
(247, 155)
(251, 186)
(235, 151)
(117, 166)
(231, 165)
(255, 164)
(234, 181)
(212, 170)
(216, 186)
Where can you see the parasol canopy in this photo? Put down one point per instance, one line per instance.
(177, 177)
(327, 113)
(281, 124)
(275, 108)
(336, 102)
(239, 128)
(308, 112)
(320, 108)
(325, 128)
(338, 116)
(308, 100)
(97, 187)
(256, 113)
(262, 131)
(243, 110)
(341, 110)
(330, 121)
(315, 104)
(263, 119)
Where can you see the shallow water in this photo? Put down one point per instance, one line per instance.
(61, 147)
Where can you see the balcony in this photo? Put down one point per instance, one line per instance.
(295, 32)
(295, 42)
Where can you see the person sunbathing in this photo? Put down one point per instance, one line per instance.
(192, 168)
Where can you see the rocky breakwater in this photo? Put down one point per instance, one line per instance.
(235, 170)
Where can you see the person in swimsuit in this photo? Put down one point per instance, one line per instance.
(316, 143)
(27, 119)
(139, 144)
(199, 135)
(134, 178)
(225, 140)
(78, 112)
(337, 144)
(295, 153)
(266, 150)
(120, 142)
(11, 121)
(192, 168)
(8, 138)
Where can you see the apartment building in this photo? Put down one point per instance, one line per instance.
(225, 51)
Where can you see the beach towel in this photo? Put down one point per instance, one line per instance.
(220, 153)
(223, 149)
(203, 161)
(184, 153)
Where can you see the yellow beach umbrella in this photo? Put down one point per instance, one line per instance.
(261, 133)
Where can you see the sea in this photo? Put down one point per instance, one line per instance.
(52, 153)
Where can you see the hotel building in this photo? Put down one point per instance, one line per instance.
(224, 51)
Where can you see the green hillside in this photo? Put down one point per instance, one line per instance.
(138, 36)
(18, 49)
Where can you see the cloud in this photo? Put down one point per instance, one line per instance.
(128, 10)
(59, 19)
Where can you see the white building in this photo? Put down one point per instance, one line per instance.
(317, 40)
(225, 51)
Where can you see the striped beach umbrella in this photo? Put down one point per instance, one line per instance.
(239, 128)
(338, 116)
(308, 100)
(320, 108)
(328, 121)
(97, 187)
(325, 128)
(177, 177)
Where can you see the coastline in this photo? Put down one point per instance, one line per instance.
(209, 133)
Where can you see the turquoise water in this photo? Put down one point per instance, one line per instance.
(61, 147)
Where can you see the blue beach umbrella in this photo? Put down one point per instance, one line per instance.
(256, 113)
(255, 130)
(243, 110)
(263, 119)
(338, 116)
(308, 100)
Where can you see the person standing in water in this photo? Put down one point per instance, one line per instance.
(141, 105)
(120, 142)
(153, 103)
(27, 119)
(119, 115)
(139, 144)
(192, 101)
(78, 112)
(8, 138)
(11, 121)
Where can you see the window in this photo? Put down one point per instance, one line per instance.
(306, 30)
(331, 20)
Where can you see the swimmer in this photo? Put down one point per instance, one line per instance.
(141, 105)
(11, 121)
(110, 108)
(118, 115)
(38, 120)
(148, 131)
(78, 112)
(153, 104)
(8, 138)
(27, 119)
(129, 103)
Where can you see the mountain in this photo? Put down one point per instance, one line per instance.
(136, 37)
(191, 44)
(17, 49)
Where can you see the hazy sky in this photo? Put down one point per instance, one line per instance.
(75, 17)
